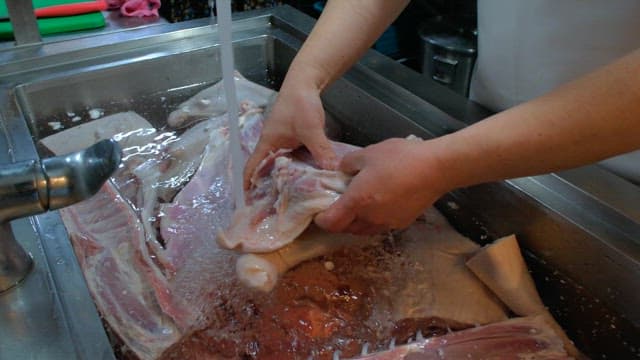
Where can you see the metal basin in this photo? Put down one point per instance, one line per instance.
(581, 238)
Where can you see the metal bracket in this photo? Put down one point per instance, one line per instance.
(23, 21)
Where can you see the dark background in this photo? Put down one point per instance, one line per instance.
(400, 42)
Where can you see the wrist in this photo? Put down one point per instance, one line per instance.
(307, 77)
(446, 165)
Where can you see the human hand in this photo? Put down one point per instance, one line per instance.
(297, 118)
(395, 180)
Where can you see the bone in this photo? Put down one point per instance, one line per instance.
(262, 271)
(502, 269)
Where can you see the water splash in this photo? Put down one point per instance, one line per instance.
(223, 9)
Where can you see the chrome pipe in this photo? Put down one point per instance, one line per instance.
(33, 187)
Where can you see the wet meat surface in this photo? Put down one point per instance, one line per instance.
(311, 311)
(147, 246)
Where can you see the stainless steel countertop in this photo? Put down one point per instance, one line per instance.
(114, 22)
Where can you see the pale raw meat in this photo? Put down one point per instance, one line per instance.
(188, 224)
(287, 190)
(109, 243)
(128, 128)
(147, 245)
(182, 157)
(261, 271)
(431, 283)
(212, 102)
(152, 296)
(161, 176)
(434, 281)
(518, 338)
(501, 267)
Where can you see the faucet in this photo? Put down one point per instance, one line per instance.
(36, 186)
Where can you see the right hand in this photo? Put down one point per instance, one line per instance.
(394, 181)
(297, 118)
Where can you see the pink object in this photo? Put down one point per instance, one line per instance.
(288, 190)
(517, 338)
(137, 8)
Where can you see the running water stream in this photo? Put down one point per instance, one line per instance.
(223, 9)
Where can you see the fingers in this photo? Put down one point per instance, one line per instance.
(342, 217)
(261, 151)
(359, 227)
(351, 163)
(320, 148)
(337, 217)
(336, 220)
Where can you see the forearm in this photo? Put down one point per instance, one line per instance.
(587, 120)
(344, 31)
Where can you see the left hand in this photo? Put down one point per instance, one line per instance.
(395, 180)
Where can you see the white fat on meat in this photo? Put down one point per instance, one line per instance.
(501, 267)
(433, 280)
(262, 271)
(129, 290)
(212, 101)
(188, 224)
(288, 190)
(518, 338)
(151, 295)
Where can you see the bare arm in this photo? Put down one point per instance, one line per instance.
(592, 118)
(343, 33)
(587, 120)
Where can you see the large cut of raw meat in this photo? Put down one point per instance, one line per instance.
(212, 101)
(287, 190)
(146, 241)
(519, 338)
(147, 244)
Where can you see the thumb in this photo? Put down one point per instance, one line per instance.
(320, 148)
(352, 162)
(261, 151)
(337, 217)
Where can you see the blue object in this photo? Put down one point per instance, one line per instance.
(318, 6)
(386, 44)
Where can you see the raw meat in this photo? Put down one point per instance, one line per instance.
(131, 131)
(501, 267)
(152, 296)
(519, 338)
(109, 242)
(261, 271)
(212, 102)
(288, 189)
(147, 246)
(434, 281)
(189, 223)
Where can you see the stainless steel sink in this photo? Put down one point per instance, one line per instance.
(580, 229)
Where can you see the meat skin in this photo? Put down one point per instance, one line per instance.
(147, 246)
(288, 189)
(518, 338)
